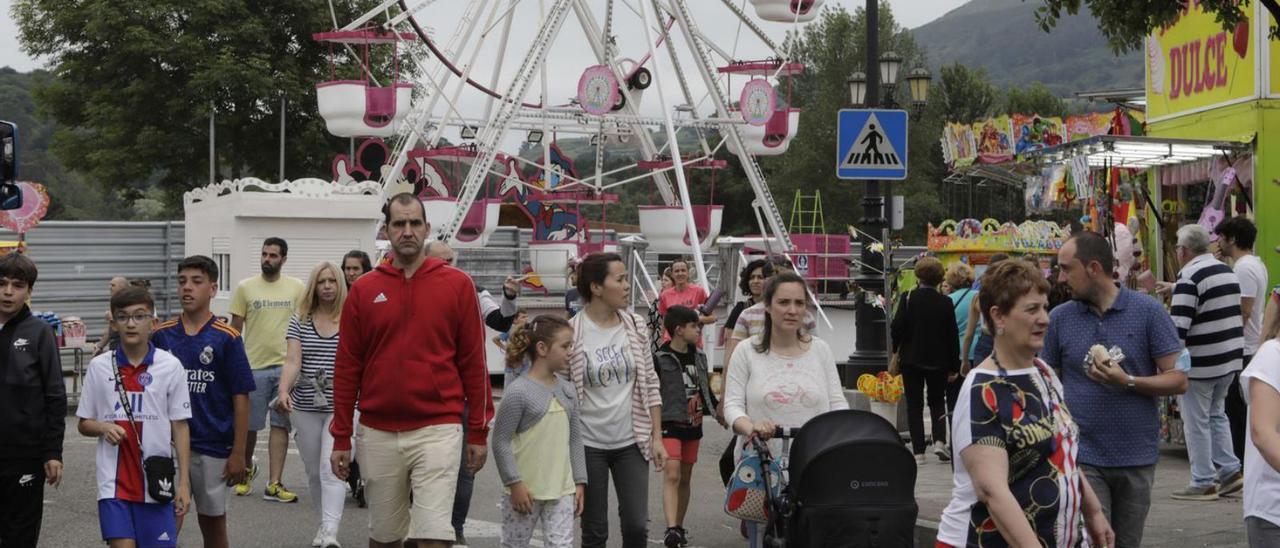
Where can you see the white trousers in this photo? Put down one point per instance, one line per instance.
(311, 431)
(556, 517)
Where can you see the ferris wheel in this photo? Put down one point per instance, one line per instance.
(520, 73)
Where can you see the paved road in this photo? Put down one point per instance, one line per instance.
(71, 517)
(71, 511)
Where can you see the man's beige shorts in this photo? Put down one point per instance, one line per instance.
(422, 461)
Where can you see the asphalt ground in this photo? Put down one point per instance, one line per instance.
(71, 517)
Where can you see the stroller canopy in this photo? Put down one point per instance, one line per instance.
(854, 454)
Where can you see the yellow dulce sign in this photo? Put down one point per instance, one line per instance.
(1195, 64)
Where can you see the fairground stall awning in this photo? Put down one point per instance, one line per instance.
(1115, 151)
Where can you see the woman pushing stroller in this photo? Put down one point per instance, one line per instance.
(783, 377)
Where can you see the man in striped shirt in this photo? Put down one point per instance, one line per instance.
(1206, 310)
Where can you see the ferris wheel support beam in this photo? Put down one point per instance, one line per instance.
(502, 54)
(414, 127)
(594, 34)
(681, 182)
(491, 135)
(754, 174)
(675, 66)
(370, 15)
(462, 80)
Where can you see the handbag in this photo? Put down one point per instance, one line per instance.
(159, 471)
(746, 497)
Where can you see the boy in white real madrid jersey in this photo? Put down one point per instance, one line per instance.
(135, 402)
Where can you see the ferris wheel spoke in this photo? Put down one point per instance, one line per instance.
(593, 32)
(490, 137)
(409, 12)
(754, 174)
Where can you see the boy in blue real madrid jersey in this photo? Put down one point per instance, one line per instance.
(219, 380)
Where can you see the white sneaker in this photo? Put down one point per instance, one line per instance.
(316, 542)
(920, 460)
(941, 451)
(329, 538)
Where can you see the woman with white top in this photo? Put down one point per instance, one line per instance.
(1019, 483)
(784, 376)
(1260, 384)
(620, 405)
(306, 391)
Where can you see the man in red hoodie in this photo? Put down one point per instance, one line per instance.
(411, 351)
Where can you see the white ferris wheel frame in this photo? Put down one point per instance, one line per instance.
(434, 76)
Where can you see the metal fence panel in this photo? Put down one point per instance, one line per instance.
(77, 260)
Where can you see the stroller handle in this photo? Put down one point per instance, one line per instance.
(786, 432)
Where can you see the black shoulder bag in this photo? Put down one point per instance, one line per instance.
(159, 471)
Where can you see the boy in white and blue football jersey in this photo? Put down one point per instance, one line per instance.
(135, 402)
(219, 380)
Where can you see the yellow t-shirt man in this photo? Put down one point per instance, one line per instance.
(266, 308)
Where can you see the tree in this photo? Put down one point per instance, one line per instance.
(1034, 99)
(135, 81)
(831, 48)
(1125, 23)
(965, 95)
(70, 197)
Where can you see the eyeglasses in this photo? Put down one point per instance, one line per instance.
(136, 318)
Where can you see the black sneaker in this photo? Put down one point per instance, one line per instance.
(673, 538)
(684, 536)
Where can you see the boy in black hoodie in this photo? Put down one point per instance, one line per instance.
(33, 406)
(686, 398)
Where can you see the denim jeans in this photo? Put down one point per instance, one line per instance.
(1125, 495)
(1261, 533)
(1208, 433)
(630, 473)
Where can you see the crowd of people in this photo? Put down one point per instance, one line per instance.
(1059, 399)
(1051, 410)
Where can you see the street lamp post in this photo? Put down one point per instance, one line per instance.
(875, 88)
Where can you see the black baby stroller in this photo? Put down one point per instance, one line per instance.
(852, 484)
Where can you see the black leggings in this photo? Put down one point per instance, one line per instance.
(914, 382)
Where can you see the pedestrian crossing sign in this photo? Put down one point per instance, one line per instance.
(872, 144)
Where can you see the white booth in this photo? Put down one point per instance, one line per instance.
(320, 220)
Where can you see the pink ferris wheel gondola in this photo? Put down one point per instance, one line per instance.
(360, 107)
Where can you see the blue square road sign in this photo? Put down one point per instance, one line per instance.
(871, 144)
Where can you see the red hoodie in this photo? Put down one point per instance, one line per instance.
(411, 351)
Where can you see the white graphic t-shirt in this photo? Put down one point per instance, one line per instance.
(609, 380)
(157, 393)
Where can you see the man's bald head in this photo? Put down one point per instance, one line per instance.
(441, 250)
(118, 283)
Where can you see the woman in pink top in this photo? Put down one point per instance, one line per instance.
(683, 293)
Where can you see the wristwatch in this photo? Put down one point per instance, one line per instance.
(1131, 384)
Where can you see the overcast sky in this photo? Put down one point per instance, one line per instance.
(910, 13)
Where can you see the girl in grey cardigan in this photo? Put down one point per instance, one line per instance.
(537, 441)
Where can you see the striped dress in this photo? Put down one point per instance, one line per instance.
(1206, 310)
(317, 367)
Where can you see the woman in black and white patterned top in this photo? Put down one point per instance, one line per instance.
(306, 390)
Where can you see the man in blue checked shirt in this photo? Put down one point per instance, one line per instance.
(1115, 404)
